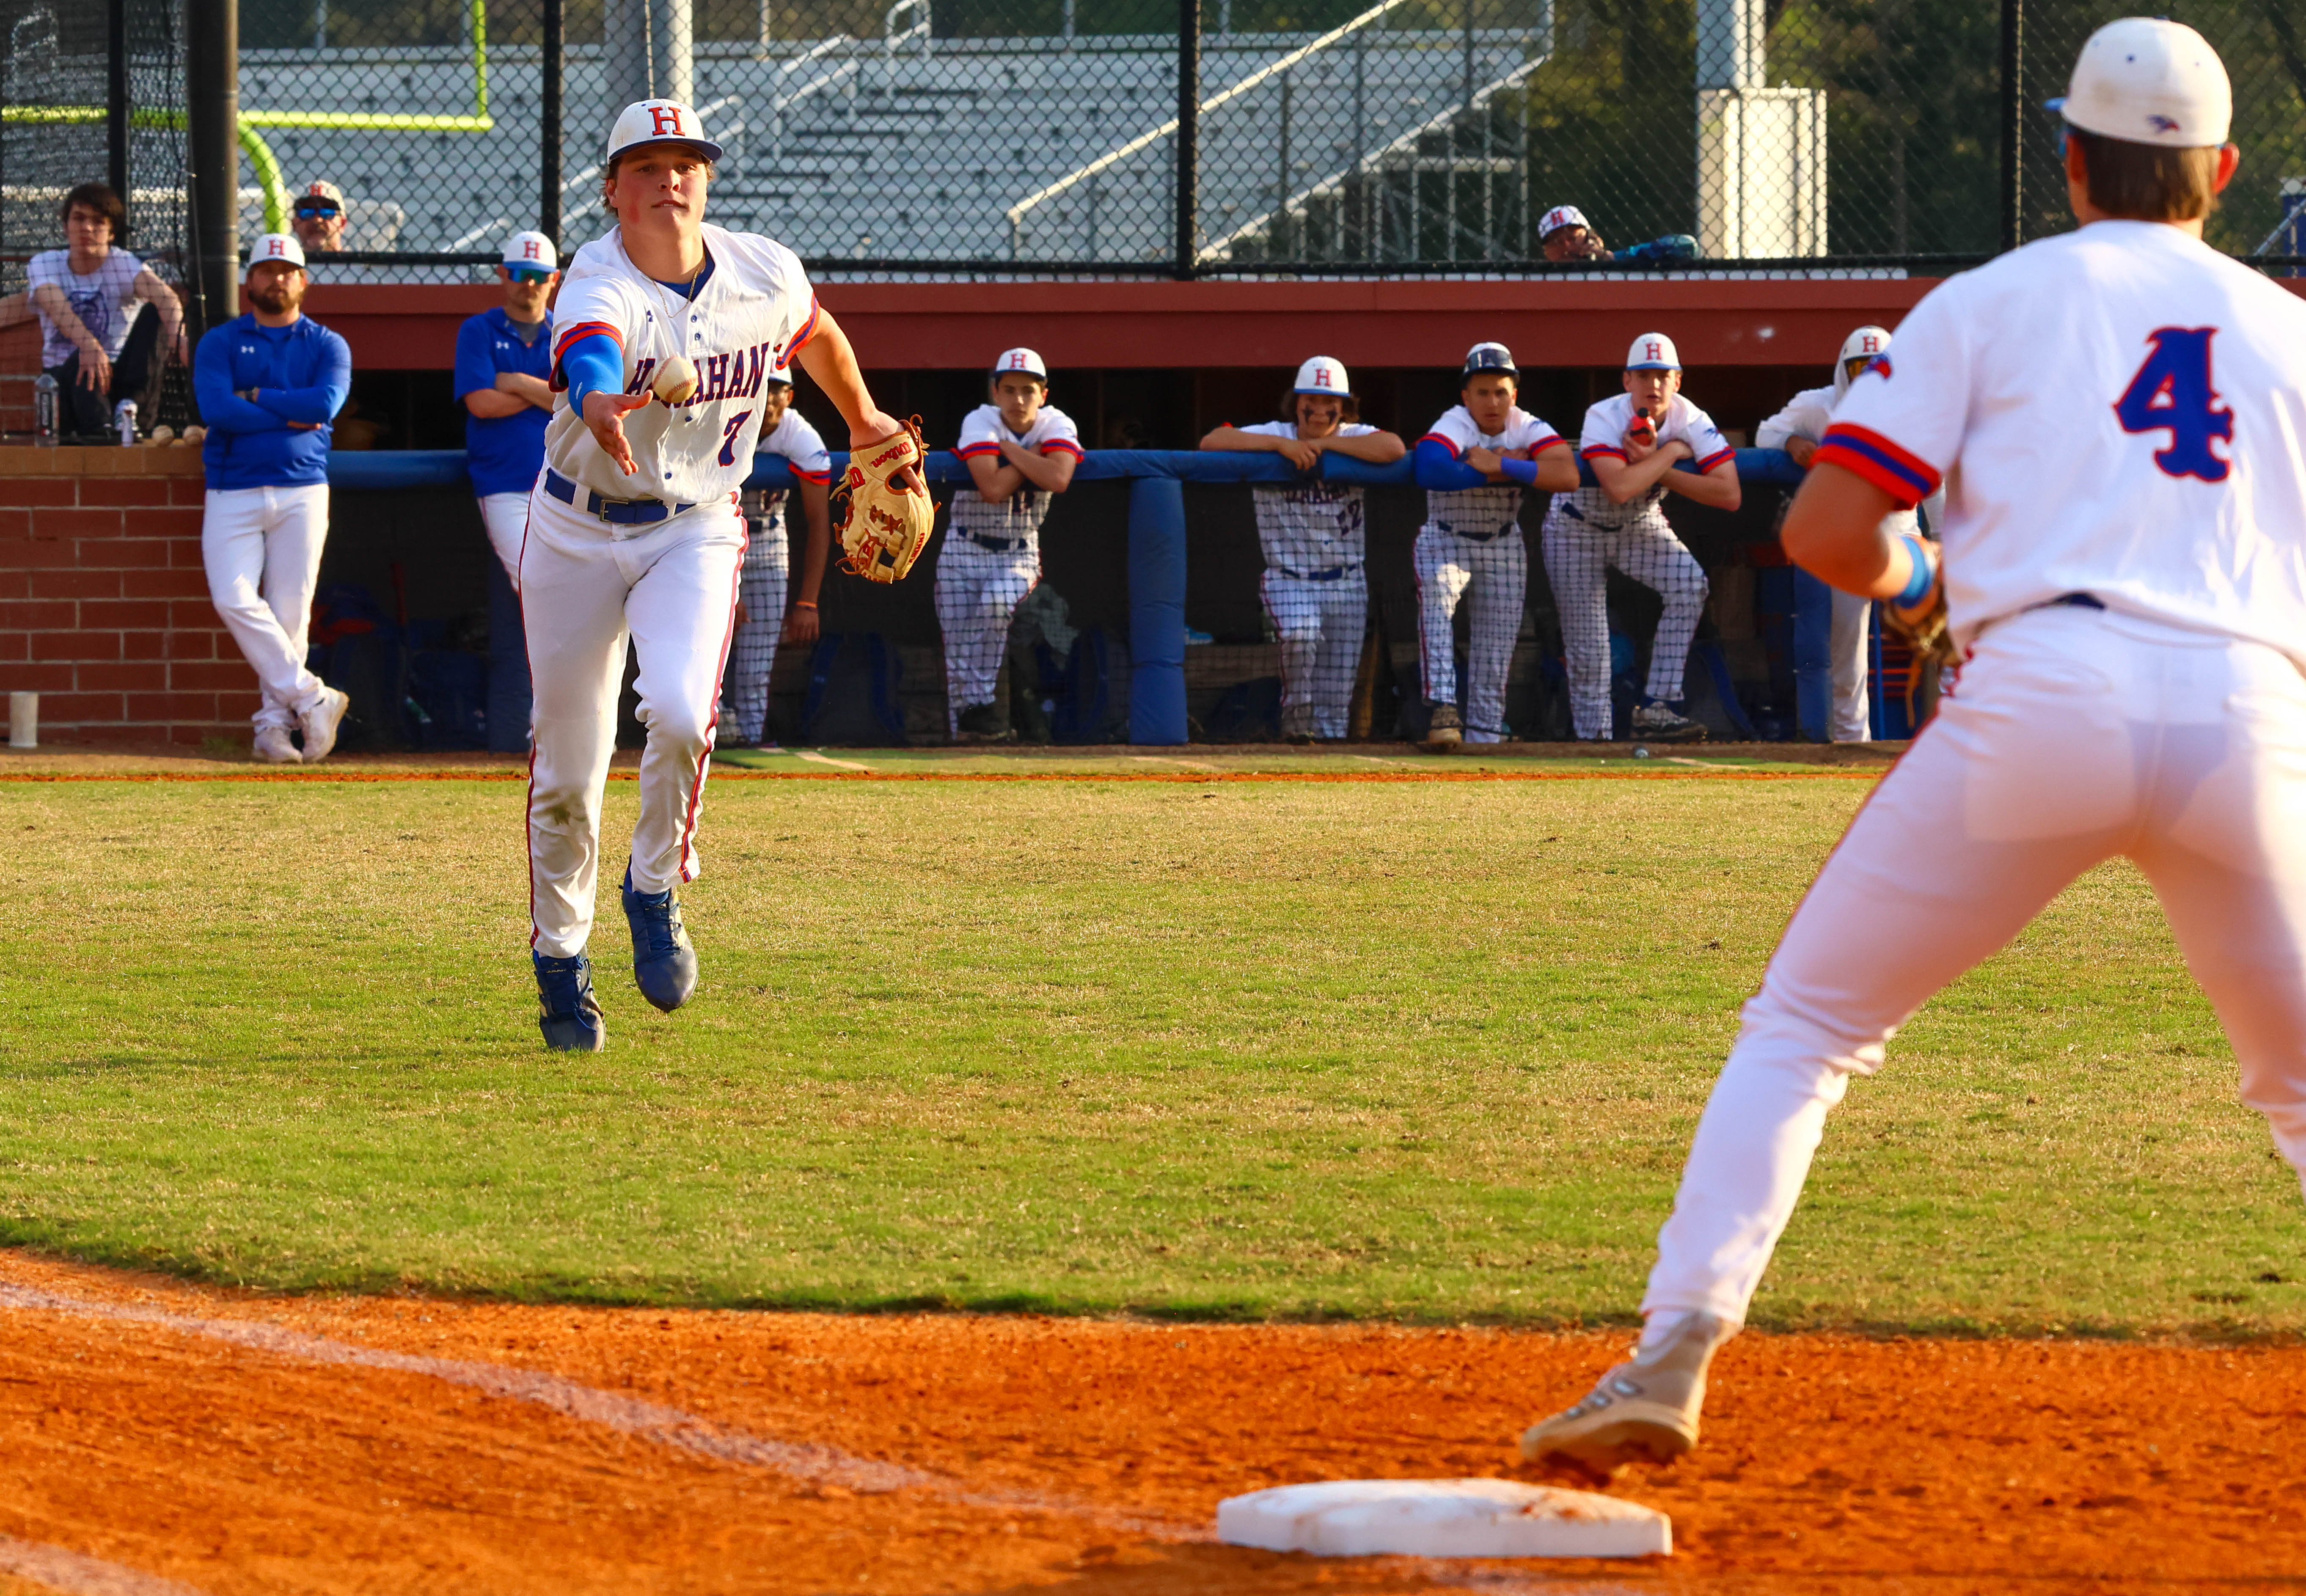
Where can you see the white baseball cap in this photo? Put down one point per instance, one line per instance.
(2149, 80)
(1323, 375)
(660, 121)
(1865, 344)
(531, 249)
(276, 246)
(1558, 217)
(1653, 352)
(1021, 359)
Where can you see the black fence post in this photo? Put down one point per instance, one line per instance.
(1188, 137)
(2013, 123)
(212, 113)
(548, 204)
(115, 100)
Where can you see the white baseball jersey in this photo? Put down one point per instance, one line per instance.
(1310, 525)
(1808, 414)
(1604, 434)
(803, 448)
(1486, 509)
(1020, 514)
(2172, 485)
(752, 315)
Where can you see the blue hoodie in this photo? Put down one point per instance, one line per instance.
(301, 372)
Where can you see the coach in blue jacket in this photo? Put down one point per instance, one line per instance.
(269, 384)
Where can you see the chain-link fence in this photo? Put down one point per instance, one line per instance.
(933, 137)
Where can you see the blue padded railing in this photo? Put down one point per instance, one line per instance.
(1157, 531)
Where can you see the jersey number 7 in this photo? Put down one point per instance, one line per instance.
(2173, 393)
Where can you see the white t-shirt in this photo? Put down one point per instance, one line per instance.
(1020, 514)
(803, 448)
(106, 300)
(750, 318)
(1494, 506)
(2119, 411)
(1312, 525)
(1604, 433)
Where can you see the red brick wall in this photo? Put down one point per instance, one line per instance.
(104, 608)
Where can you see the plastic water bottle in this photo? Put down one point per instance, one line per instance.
(123, 423)
(45, 399)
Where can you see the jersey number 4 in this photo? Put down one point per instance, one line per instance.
(2173, 393)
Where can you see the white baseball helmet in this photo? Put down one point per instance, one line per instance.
(1021, 359)
(660, 121)
(2149, 80)
(1865, 344)
(1491, 357)
(1558, 217)
(1323, 375)
(276, 246)
(1653, 352)
(531, 249)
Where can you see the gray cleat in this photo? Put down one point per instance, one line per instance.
(1642, 1411)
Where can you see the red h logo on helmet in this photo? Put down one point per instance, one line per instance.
(1652, 349)
(1321, 376)
(667, 120)
(528, 251)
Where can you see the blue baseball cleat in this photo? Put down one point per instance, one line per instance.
(664, 965)
(565, 1011)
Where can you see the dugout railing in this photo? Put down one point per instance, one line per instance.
(1156, 537)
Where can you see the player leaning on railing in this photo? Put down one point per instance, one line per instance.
(2125, 576)
(664, 334)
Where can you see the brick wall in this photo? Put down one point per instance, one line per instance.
(104, 608)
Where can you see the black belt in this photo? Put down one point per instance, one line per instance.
(998, 545)
(1326, 573)
(1477, 537)
(620, 512)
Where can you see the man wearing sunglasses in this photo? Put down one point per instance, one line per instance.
(504, 372)
(318, 218)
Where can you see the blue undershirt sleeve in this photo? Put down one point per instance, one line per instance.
(592, 364)
(1521, 471)
(1436, 467)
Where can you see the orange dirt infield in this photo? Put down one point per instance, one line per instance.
(233, 1442)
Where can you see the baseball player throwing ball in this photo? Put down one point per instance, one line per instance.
(761, 617)
(2125, 573)
(1473, 466)
(1633, 442)
(665, 334)
(1020, 450)
(1315, 539)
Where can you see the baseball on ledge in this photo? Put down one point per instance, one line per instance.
(676, 380)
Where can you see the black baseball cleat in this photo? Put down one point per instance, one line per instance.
(982, 724)
(1658, 723)
(664, 965)
(566, 1011)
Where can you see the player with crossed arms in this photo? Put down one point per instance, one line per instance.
(2125, 573)
(666, 333)
(1473, 466)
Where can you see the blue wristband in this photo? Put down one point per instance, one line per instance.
(1924, 576)
(1521, 471)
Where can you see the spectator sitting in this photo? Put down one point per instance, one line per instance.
(102, 314)
(319, 218)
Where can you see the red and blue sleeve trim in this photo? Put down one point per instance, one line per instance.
(969, 451)
(1905, 477)
(1437, 437)
(801, 339)
(558, 379)
(812, 477)
(1715, 459)
(1062, 446)
(1546, 442)
(1595, 451)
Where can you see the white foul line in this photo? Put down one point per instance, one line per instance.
(647, 1420)
(79, 1575)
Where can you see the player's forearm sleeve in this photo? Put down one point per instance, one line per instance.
(1521, 471)
(592, 364)
(1436, 467)
(219, 405)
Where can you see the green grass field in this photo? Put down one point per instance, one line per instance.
(1424, 1051)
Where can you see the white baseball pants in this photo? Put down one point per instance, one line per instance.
(585, 587)
(767, 570)
(1578, 558)
(1492, 577)
(2076, 736)
(1846, 640)
(1320, 626)
(506, 515)
(978, 592)
(262, 547)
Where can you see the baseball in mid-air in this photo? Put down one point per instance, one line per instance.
(676, 380)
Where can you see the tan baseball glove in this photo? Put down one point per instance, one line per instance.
(1923, 625)
(882, 513)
